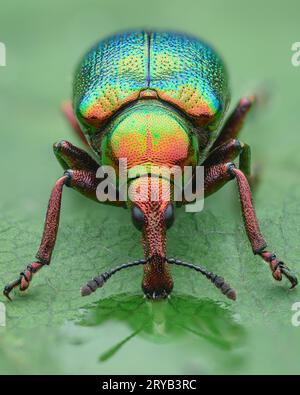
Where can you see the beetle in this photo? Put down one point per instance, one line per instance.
(153, 98)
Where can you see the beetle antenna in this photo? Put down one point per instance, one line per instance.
(98, 282)
(218, 281)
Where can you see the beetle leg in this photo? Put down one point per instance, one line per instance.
(86, 182)
(215, 175)
(218, 174)
(83, 181)
(255, 237)
(226, 152)
(71, 157)
(67, 110)
(48, 240)
(235, 121)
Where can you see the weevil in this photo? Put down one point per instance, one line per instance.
(153, 98)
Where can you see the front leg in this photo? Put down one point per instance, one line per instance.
(257, 241)
(85, 181)
(216, 176)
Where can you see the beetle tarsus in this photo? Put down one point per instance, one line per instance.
(288, 274)
(278, 268)
(24, 280)
(9, 287)
(6, 292)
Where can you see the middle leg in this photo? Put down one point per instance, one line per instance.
(72, 157)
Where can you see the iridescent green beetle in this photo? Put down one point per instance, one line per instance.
(157, 100)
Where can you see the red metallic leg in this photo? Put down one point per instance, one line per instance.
(251, 225)
(72, 157)
(83, 169)
(215, 170)
(48, 240)
(215, 176)
(86, 183)
(252, 228)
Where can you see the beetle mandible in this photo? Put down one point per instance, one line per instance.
(153, 98)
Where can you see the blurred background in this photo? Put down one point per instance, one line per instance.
(51, 329)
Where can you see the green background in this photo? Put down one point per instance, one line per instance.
(51, 329)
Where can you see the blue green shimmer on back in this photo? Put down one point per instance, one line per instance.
(188, 73)
(182, 70)
(111, 74)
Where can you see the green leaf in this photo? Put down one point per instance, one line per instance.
(50, 328)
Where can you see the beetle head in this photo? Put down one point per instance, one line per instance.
(153, 213)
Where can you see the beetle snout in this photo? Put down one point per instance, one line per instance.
(157, 281)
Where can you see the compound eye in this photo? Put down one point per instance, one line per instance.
(169, 215)
(138, 217)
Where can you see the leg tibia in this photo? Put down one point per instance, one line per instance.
(215, 177)
(255, 237)
(81, 180)
(47, 243)
(251, 225)
(51, 223)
